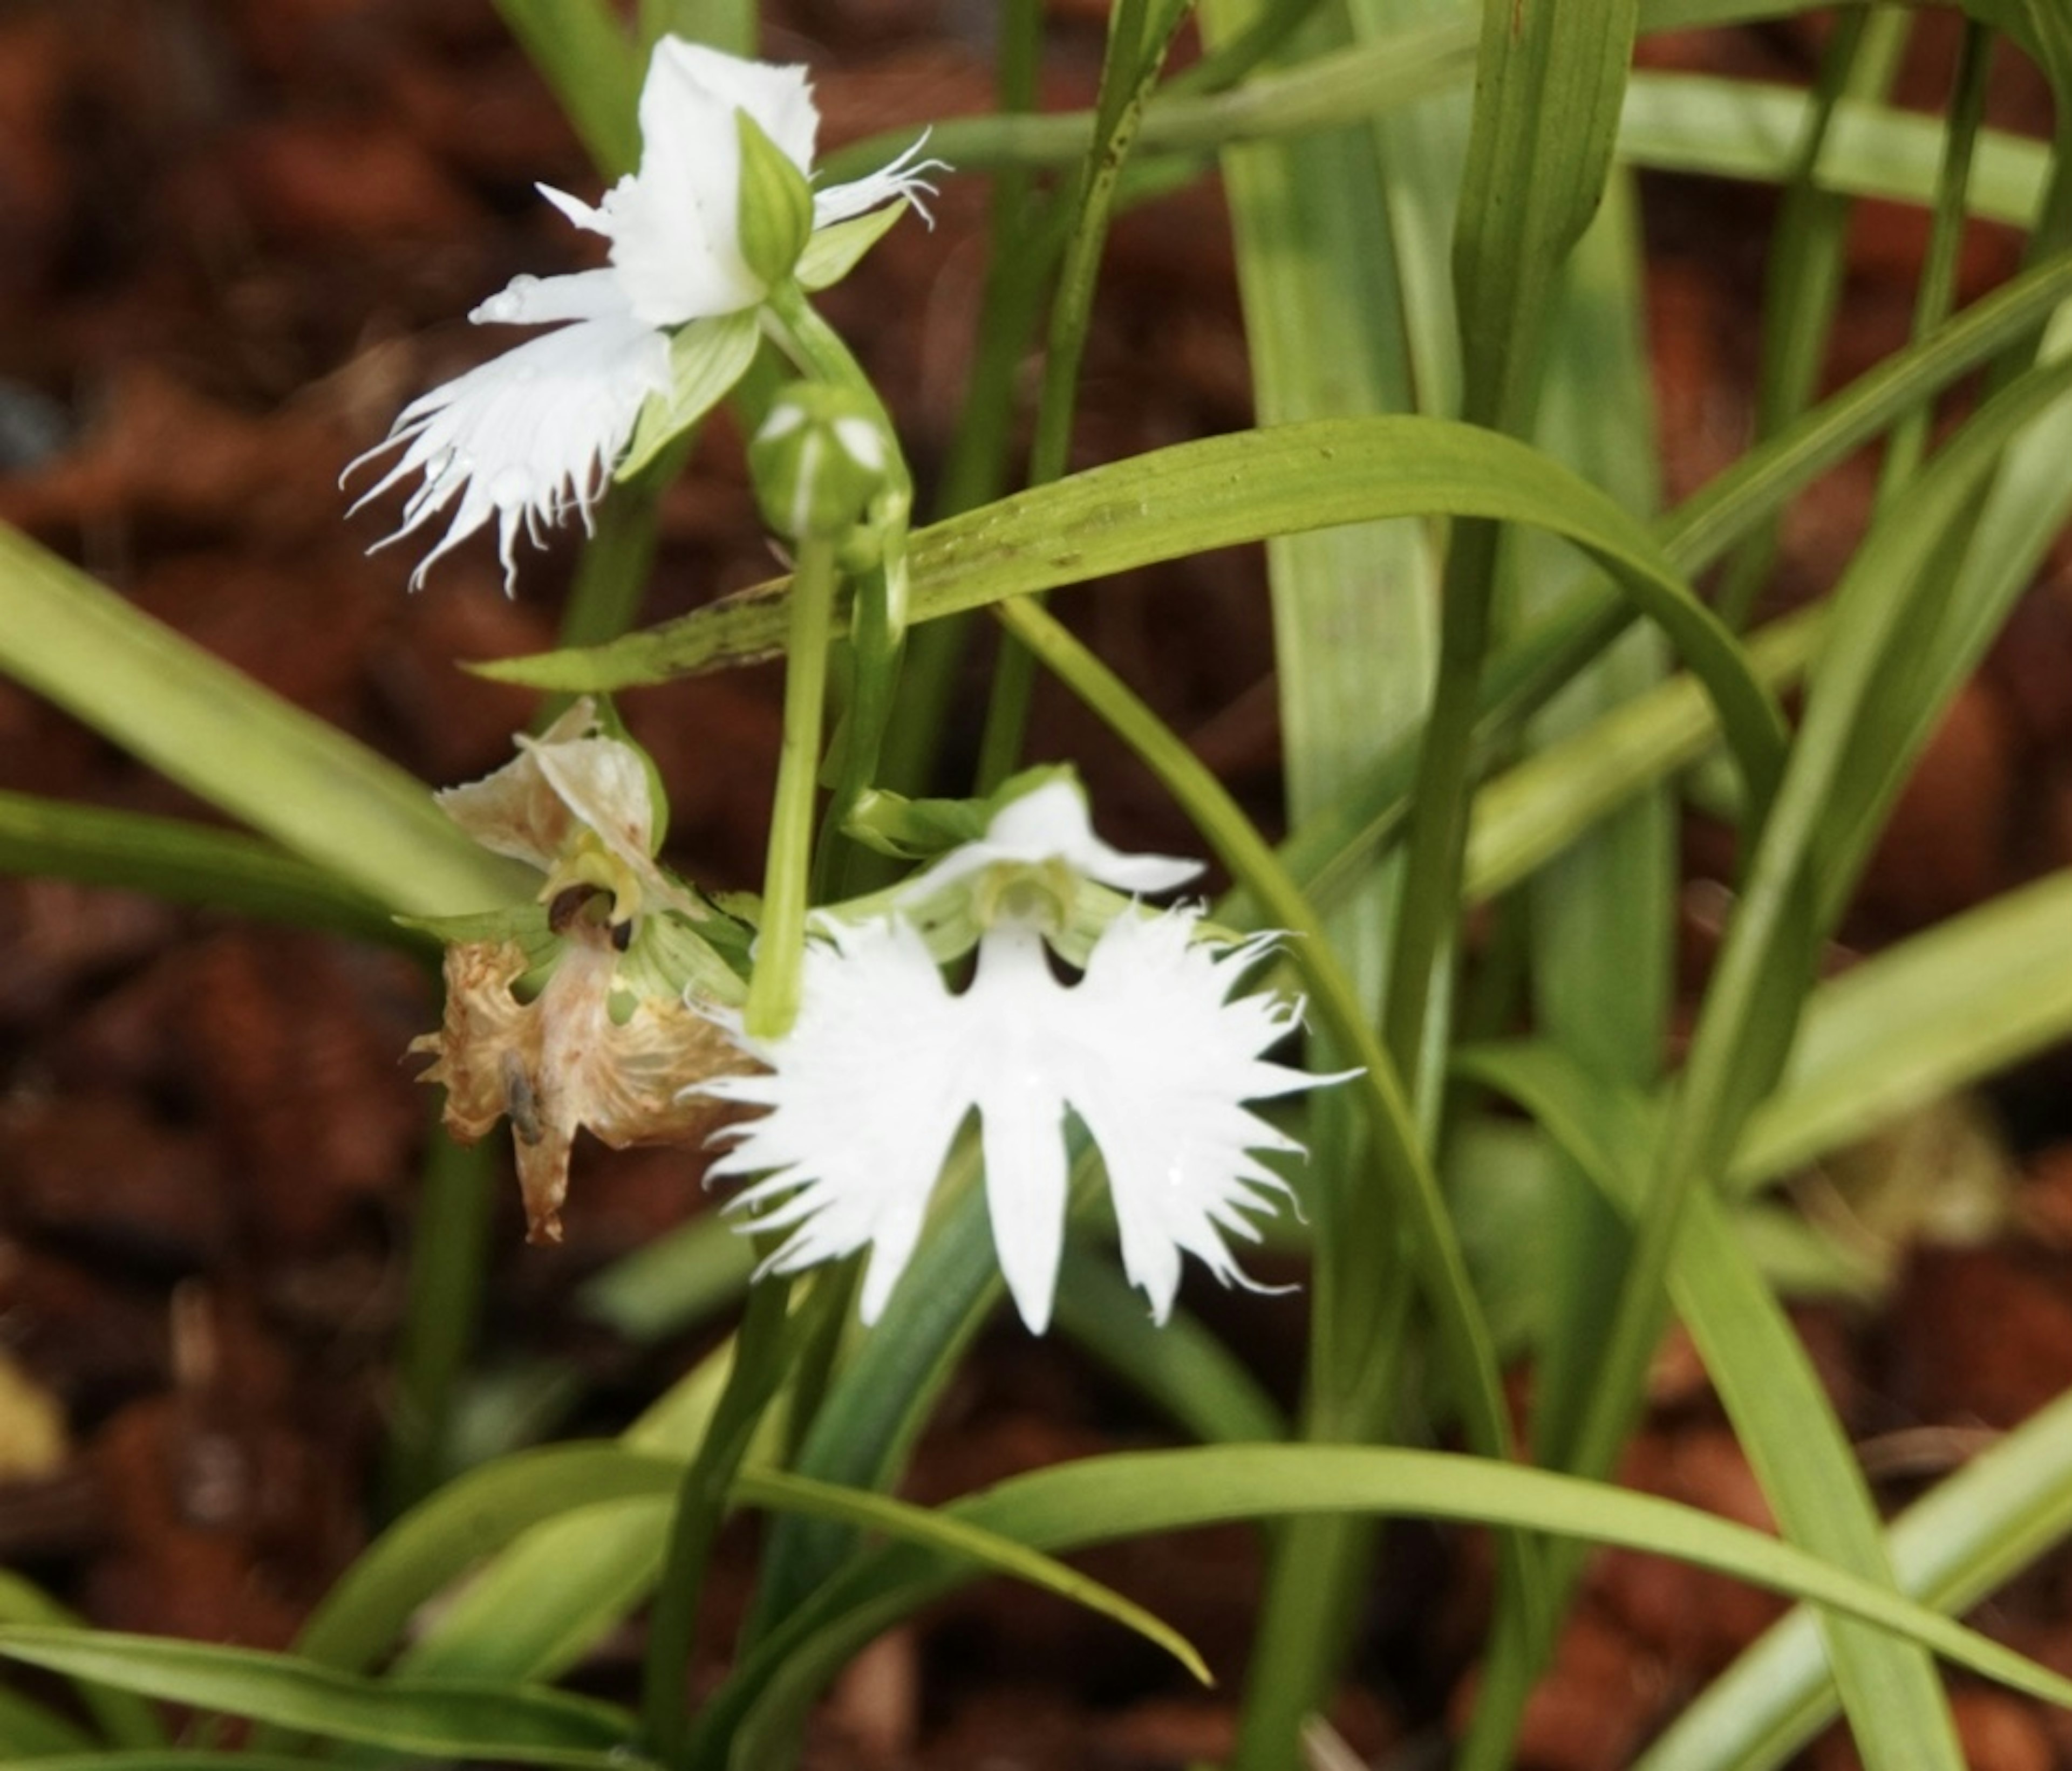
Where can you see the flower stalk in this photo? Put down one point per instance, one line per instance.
(773, 991)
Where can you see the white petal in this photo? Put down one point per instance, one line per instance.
(1010, 1053)
(904, 176)
(574, 208)
(1051, 824)
(675, 224)
(542, 301)
(1150, 1052)
(864, 1097)
(525, 436)
(1165, 1060)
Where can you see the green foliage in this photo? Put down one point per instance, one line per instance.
(1454, 478)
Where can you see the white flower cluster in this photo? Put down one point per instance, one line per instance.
(533, 433)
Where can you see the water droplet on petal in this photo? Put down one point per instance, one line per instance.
(507, 306)
(511, 487)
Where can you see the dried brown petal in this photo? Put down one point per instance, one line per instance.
(559, 1063)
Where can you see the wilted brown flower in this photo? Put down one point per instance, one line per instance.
(559, 1060)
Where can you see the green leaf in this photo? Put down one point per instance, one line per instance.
(1930, 1016)
(29, 1730)
(587, 58)
(706, 359)
(215, 731)
(168, 1758)
(1075, 1505)
(1199, 495)
(2002, 1512)
(940, 1531)
(1177, 1365)
(530, 1726)
(123, 1719)
(1739, 128)
(471, 1518)
(1548, 84)
(836, 249)
(1781, 1413)
(186, 863)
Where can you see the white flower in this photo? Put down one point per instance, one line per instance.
(1148, 1051)
(535, 432)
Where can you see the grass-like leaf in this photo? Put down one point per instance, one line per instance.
(287, 773)
(452, 1720)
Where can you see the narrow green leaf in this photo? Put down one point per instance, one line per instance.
(1075, 1505)
(1933, 1014)
(1998, 1515)
(125, 1720)
(585, 55)
(939, 1530)
(1744, 129)
(1781, 1413)
(215, 731)
(528, 1725)
(169, 1758)
(28, 1730)
(1177, 1365)
(471, 1518)
(1199, 495)
(188, 864)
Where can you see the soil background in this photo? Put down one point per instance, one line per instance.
(236, 237)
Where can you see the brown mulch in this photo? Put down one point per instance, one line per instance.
(235, 238)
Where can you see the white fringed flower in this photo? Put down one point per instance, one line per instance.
(534, 433)
(1149, 1050)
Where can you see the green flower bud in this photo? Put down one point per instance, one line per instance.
(776, 214)
(819, 460)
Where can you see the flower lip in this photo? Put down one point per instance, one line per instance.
(1151, 1051)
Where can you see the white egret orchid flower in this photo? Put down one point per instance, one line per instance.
(1149, 1050)
(534, 433)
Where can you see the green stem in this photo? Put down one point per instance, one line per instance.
(449, 1250)
(1808, 250)
(772, 991)
(760, 1359)
(1136, 49)
(1939, 274)
(1439, 802)
(878, 630)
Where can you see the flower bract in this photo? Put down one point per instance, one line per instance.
(1152, 1050)
(529, 436)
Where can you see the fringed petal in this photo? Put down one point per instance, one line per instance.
(525, 437)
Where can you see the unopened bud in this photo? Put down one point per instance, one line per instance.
(819, 460)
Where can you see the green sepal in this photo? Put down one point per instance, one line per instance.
(836, 249)
(706, 359)
(775, 218)
(890, 823)
(667, 959)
